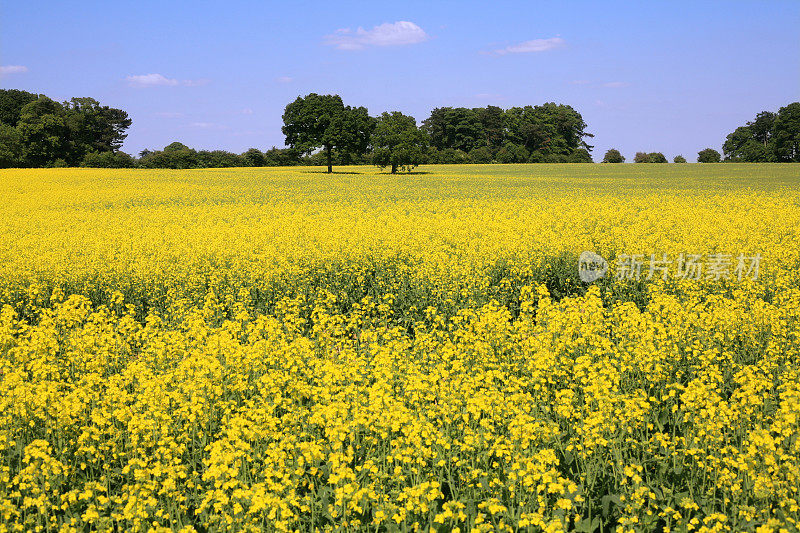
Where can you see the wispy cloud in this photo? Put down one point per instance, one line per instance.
(387, 34)
(284, 79)
(246, 111)
(535, 45)
(616, 84)
(12, 69)
(208, 126)
(196, 83)
(151, 80)
(579, 82)
(159, 80)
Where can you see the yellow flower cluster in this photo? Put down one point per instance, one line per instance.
(283, 350)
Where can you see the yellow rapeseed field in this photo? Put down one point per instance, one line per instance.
(285, 350)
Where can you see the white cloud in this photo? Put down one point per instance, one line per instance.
(284, 79)
(246, 111)
(196, 83)
(536, 45)
(159, 80)
(386, 34)
(12, 69)
(616, 84)
(150, 80)
(208, 126)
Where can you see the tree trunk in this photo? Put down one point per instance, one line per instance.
(330, 164)
(394, 168)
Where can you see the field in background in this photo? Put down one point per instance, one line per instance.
(281, 348)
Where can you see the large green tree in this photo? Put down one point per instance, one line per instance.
(48, 133)
(768, 137)
(94, 128)
(492, 120)
(11, 103)
(458, 128)
(786, 133)
(741, 145)
(10, 146)
(397, 142)
(323, 121)
(44, 133)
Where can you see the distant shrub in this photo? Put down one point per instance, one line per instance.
(107, 160)
(512, 153)
(480, 155)
(613, 156)
(709, 155)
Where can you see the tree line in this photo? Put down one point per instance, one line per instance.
(320, 130)
(548, 133)
(36, 131)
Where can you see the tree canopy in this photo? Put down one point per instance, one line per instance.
(323, 121)
(613, 156)
(768, 137)
(36, 131)
(397, 143)
(708, 155)
(544, 133)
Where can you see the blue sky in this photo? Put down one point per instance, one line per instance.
(674, 76)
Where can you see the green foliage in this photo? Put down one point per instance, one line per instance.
(323, 121)
(613, 156)
(254, 158)
(281, 157)
(176, 147)
(581, 155)
(397, 142)
(548, 133)
(456, 128)
(679, 159)
(448, 156)
(708, 155)
(786, 132)
(46, 133)
(108, 160)
(512, 153)
(480, 155)
(652, 157)
(769, 137)
(10, 146)
(11, 103)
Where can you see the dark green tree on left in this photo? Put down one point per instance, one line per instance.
(323, 121)
(36, 131)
